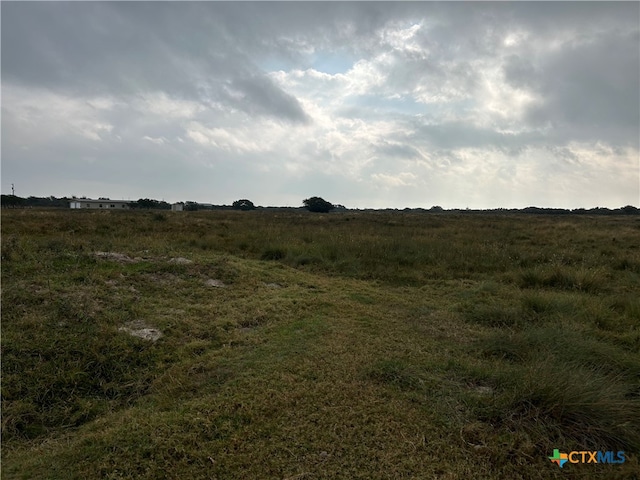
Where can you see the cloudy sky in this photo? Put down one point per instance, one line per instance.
(478, 105)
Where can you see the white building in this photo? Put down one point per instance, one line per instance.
(99, 204)
(177, 207)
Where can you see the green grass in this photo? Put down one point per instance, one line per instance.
(351, 345)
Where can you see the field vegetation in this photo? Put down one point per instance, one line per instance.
(297, 345)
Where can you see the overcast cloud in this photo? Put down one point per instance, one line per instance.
(457, 104)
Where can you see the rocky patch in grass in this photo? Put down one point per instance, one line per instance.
(118, 257)
(180, 261)
(139, 329)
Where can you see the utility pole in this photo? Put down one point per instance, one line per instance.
(13, 190)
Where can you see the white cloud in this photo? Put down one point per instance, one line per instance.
(403, 39)
(102, 103)
(262, 137)
(39, 115)
(402, 179)
(515, 38)
(167, 107)
(157, 141)
(499, 104)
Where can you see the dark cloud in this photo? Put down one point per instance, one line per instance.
(257, 94)
(593, 87)
(520, 71)
(126, 48)
(452, 135)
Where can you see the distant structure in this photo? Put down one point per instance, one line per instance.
(177, 207)
(104, 204)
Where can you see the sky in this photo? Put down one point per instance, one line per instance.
(368, 105)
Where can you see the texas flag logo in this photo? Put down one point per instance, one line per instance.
(559, 458)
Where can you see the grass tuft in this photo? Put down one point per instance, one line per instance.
(589, 407)
(396, 373)
(564, 278)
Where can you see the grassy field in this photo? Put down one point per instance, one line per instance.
(310, 346)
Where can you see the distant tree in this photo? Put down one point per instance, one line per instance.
(12, 201)
(317, 204)
(243, 204)
(148, 203)
(145, 203)
(630, 210)
(436, 208)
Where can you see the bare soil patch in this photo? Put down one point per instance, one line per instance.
(139, 329)
(118, 257)
(180, 261)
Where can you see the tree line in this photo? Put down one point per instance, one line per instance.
(312, 204)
